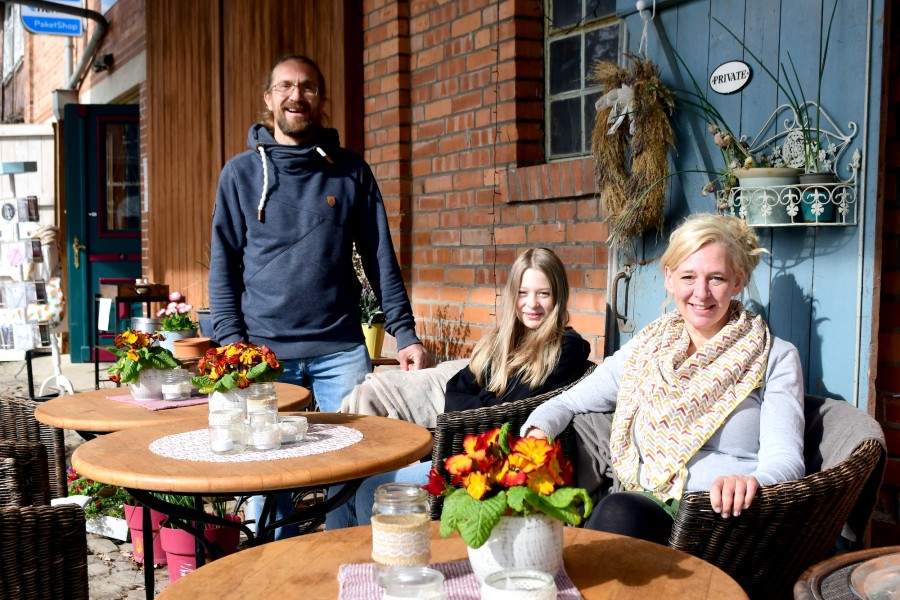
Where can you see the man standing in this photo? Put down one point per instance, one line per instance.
(287, 214)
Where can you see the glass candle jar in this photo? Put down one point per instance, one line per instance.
(400, 528)
(261, 397)
(264, 433)
(413, 582)
(293, 429)
(176, 384)
(227, 432)
(519, 584)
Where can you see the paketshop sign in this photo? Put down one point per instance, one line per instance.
(41, 20)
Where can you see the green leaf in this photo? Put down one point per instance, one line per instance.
(474, 519)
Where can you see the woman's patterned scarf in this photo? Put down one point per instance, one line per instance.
(669, 403)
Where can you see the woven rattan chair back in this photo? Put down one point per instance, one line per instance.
(453, 427)
(43, 553)
(17, 422)
(31, 461)
(789, 526)
(11, 493)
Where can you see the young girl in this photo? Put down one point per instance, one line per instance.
(531, 352)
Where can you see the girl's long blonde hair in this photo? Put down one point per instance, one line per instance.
(513, 349)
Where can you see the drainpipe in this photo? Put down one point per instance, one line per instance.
(90, 51)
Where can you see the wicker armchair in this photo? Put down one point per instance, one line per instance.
(794, 524)
(31, 466)
(453, 427)
(43, 553)
(43, 549)
(17, 422)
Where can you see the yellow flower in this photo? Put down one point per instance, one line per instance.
(477, 485)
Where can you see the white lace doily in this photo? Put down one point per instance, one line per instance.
(194, 445)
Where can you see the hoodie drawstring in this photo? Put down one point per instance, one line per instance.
(265, 187)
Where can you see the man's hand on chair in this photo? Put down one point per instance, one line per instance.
(413, 358)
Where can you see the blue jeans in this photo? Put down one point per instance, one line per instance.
(358, 510)
(331, 377)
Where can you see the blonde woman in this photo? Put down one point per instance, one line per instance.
(705, 397)
(531, 352)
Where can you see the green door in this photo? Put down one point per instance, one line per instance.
(103, 211)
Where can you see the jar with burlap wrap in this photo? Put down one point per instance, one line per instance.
(400, 527)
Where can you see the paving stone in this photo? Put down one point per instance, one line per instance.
(101, 545)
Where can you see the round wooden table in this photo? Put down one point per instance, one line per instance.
(601, 565)
(94, 412)
(124, 458)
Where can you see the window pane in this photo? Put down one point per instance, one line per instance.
(590, 114)
(123, 180)
(565, 64)
(565, 126)
(600, 44)
(599, 8)
(566, 13)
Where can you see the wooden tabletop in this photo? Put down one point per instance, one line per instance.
(601, 565)
(124, 458)
(93, 411)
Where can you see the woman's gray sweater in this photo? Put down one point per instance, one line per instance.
(763, 437)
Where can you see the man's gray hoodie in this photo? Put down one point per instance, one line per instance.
(281, 270)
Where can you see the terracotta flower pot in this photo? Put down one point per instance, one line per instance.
(174, 336)
(188, 348)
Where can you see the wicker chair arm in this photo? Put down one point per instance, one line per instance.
(752, 548)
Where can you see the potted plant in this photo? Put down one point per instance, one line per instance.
(140, 362)
(227, 372)
(515, 495)
(372, 319)
(180, 545)
(371, 316)
(103, 505)
(134, 517)
(175, 322)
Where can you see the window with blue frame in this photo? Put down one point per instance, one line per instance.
(577, 34)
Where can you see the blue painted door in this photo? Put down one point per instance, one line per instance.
(815, 285)
(103, 210)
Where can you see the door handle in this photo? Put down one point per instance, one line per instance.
(625, 324)
(76, 249)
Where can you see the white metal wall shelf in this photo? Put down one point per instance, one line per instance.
(831, 204)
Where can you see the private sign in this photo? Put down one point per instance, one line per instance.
(40, 20)
(730, 77)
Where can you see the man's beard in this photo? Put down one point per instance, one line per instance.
(293, 128)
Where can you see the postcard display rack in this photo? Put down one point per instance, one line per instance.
(30, 298)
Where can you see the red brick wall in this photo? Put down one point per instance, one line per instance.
(885, 528)
(454, 134)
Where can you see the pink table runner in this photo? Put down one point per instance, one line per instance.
(358, 582)
(160, 404)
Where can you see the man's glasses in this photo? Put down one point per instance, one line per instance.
(285, 88)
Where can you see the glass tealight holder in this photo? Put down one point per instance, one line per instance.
(176, 384)
(227, 432)
(261, 397)
(413, 582)
(293, 429)
(264, 432)
(401, 534)
(519, 584)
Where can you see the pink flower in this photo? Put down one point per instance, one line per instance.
(175, 297)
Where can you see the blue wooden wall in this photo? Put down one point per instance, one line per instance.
(816, 285)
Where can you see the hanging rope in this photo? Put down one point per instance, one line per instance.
(642, 10)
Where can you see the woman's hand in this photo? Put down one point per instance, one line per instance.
(731, 494)
(534, 432)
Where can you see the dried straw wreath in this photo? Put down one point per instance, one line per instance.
(632, 180)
